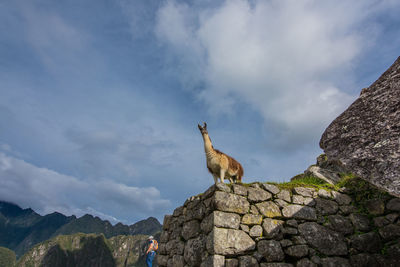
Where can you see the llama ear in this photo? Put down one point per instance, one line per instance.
(205, 126)
(198, 125)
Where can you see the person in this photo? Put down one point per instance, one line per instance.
(151, 251)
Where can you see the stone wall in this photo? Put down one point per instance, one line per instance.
(263, 225)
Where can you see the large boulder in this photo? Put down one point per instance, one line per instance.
(366, 137)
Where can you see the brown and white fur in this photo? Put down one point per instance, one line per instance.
(219, 164)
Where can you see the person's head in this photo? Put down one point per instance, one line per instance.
(151, 237)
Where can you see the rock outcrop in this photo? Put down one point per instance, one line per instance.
(268, 225)
(366, 137)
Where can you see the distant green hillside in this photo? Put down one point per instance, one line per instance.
(86, 250)
(20, 229)
(7, 257)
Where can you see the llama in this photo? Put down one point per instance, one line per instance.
(219, 164)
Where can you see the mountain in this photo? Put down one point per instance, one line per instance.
(85, 250)
(20, 229)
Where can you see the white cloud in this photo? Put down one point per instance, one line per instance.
(47, 191)
(282, 58)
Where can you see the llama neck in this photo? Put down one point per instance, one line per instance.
(207, 144)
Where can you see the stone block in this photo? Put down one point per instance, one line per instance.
(269, 209)
(284, 195)
(258, 195)
(393, 204)
(271, 188)
(229, 242)
(248, 261)
(271, 250)
(190, 229)
(323, 239)
(299, 212)
(251, 219)
(230, 203)
(297, 251)
(326, 207)
(256, 231)
(272, 228)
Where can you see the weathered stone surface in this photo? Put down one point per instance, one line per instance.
(254, 210)
(194, 212)
(272, 228)
(231, 263)
(251, 219)
(229, 242)
(226, 220)
(340, 198)
(271, 188)
(214, 261)
(269, 209)
(324, 193)
(340, 224)
(381, 221)
(281, 203)
(167, 222)
(231, 203)
(194, 251)
(289, 231)
(245, 228)
(239, 190)
(335, 262)
(190, 229)
(292, 223)
(393, 204)
(276, 264)
(164, 237)
(305, 263)
(271, 250)
(162, 260)
(207, 223)
(248, 261)
(326, 207)
(369, 242)
(178, 211)
(175, 246)
(363, 260)
(347, 209)
(256, 231)
(360, 221)
(331, 177)
(304, 191)
(366, 136)
(297, 199)
(178, 261)
(375, 206)
(284, 195)
(299, 212)
(321, 238)
(223, 187)
(297, 251)
(258, 195)
(286, 243)
(298, 240)
(390, 232)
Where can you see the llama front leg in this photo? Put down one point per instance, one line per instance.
(222, 175)
(215, 178)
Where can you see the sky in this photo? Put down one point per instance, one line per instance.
(100, 99)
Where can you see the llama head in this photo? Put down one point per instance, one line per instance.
(203, 129)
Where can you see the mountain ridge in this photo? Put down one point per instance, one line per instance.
(21, 229)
